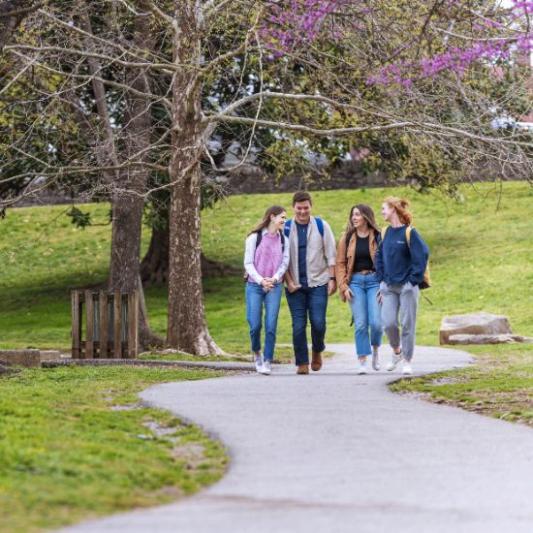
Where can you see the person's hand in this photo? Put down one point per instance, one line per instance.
(267, 284)
(348, 294)
(332, 287)
(292, 287)
(379, 297)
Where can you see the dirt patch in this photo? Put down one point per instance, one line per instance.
(191, 453)
(417, 395)
(447, 381)
(129, 407)
(158, 430)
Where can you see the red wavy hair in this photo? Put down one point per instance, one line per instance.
(401, 206)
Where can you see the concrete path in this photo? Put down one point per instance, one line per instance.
(336, 452)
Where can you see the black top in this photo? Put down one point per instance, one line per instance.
(363, 259)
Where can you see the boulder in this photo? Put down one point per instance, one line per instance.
(473, 324)
(504, 338)
(27, 358)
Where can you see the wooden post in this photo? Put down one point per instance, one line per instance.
(99, 326)
(117, 325)
(89, 334)
(76, 323)
(133, 324)
(104, 323)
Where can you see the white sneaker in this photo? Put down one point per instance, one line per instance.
(362, 368)
(375, 361)
(258, 362)
(266, 368)
(396, 358)
(407, 370)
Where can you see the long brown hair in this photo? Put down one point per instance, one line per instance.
(265, 221)
(367, 213)
(401, 206)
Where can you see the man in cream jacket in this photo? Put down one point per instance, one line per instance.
(310, 280)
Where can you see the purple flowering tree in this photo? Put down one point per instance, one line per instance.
(453, 35)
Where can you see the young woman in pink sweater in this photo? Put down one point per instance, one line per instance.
(266, 259)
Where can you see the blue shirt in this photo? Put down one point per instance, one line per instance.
(302, 253)
(399, 262)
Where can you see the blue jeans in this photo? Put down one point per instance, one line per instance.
(366, 312)
(312, 301)
(256, 299)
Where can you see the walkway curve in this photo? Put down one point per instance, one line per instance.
(336, 452)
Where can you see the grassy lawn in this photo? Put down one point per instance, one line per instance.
(67, 452)
(500, 384)
(74, 444)
(482, 259)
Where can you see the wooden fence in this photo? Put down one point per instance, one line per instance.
(104, 325)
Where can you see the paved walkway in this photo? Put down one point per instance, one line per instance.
(336, 452)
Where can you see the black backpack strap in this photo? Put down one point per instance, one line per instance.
(258, 239)
(282, 238)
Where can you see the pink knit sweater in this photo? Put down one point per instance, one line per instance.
(268, 255)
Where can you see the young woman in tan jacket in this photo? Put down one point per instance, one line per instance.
(358, 284)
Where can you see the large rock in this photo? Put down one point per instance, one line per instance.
(27, 358)
(473, 324)
(504, 338)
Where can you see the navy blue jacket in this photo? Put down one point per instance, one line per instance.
(398, 262)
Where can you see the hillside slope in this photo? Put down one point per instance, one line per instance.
(481, 259)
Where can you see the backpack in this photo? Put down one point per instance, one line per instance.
(319, 223)
(258, 242)
(426, 283)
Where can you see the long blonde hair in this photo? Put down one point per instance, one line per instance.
(401, 206)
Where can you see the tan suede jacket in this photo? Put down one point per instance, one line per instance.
(346, 259)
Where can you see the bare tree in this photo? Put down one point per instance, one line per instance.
(152, 61)
(126, 185)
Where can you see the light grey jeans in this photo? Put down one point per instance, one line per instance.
(400, 300)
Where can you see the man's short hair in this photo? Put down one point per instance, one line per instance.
(301, 196)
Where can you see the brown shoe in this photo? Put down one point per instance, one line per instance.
(302, 369)
(316, 361)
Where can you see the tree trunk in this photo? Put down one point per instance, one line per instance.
(128, 200)
(154, 266)
(187, 327)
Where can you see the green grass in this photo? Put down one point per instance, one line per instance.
(66, 455)
(499, 385)
(68, 451)
(482, 258)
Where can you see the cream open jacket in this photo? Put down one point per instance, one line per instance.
(321, 253)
